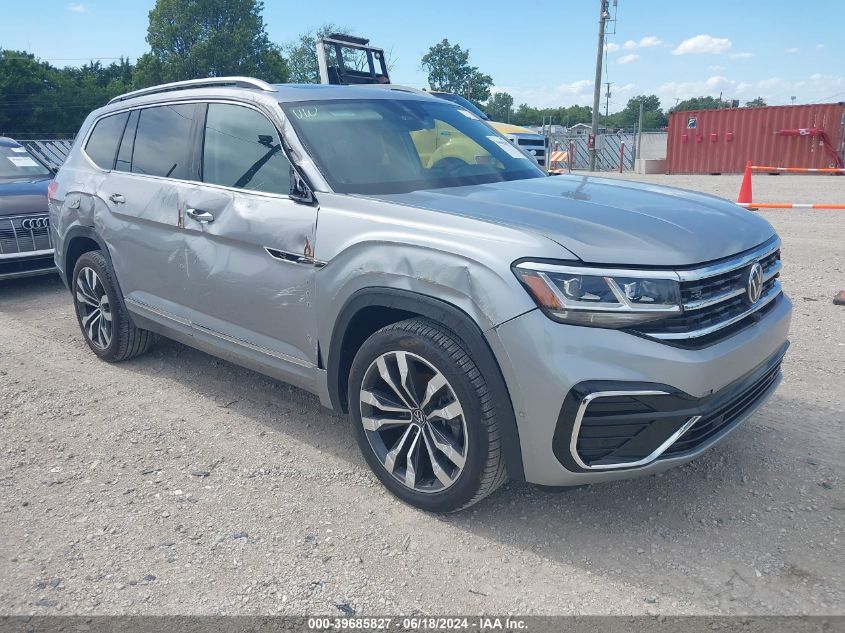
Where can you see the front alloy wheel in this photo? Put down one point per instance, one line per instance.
(423, 416)
(413, 421)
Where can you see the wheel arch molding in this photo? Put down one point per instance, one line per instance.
(370, 309)
(76, 242)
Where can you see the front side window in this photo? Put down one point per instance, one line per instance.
(102, 144)
(374, 146)
(242, 150)
(163, 141)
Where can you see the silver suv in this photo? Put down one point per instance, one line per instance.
(391, 253)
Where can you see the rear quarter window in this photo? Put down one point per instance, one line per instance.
(102, 144)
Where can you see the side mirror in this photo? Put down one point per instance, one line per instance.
(299, 189)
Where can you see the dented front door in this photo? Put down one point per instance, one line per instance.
(250, 270)
(250, 274)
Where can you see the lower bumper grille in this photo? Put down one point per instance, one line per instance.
(719, 420)
(606, 425)
(26, 266)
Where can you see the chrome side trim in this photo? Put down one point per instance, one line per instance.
(579, 417)
(252, 346)
(157, 311)
(26, 254)
(293, 258)
(765, 300)
(225, 337)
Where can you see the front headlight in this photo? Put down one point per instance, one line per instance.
(601, 297)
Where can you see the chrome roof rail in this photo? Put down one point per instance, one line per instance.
(238, 82)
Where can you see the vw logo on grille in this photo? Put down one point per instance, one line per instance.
(754, 284)
(35, 223)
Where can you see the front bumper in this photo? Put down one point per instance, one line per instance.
(27, 264)
(550, 368)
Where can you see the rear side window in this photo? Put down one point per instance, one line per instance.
(102, 144)
(242, 149)
(163, 141)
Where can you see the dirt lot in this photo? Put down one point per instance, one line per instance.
(178, 483)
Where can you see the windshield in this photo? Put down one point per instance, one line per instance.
(17, 163)
(374, 146)
(469, 105)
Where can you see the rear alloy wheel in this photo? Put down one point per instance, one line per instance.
(423, 417)
(94, 308)
(104, 322)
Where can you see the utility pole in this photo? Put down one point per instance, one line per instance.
(639, 144)
(604, 14)
(607, 99)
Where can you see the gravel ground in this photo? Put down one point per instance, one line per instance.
(181, 484)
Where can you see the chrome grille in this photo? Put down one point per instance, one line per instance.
(715, 300)
(25, 234)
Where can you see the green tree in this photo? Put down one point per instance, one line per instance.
(449, 70)
(24, 91)
(699, 103)
(209, 38)
(628, 117)
(759, 102)
(499, 107)
(42, 100)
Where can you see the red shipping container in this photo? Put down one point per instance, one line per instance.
(738, 135)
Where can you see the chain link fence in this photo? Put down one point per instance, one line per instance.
(609, 150)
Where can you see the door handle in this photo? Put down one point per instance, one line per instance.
(200, 216)
(117, 198)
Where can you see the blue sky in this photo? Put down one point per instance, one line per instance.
(543, 54)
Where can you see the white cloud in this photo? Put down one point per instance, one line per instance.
(627, 59)
(791, 50)
(819, 46)
(703, 44)
(77, 7)
(610, 47)
(650, 40)
(741, 55)
(715, 68)
(645, 42)
(575, 93)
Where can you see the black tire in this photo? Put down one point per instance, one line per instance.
(484, 468)
(126, 341)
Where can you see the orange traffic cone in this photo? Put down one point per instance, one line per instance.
(745, 188)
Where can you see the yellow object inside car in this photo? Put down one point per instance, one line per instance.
(446, 142)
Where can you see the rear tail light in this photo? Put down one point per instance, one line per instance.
(51, 190)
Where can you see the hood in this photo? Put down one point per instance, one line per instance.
(507, 128)
(605, 221)
(21, 197)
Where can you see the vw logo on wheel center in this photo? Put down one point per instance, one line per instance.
(35, 223)
(754, 285)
